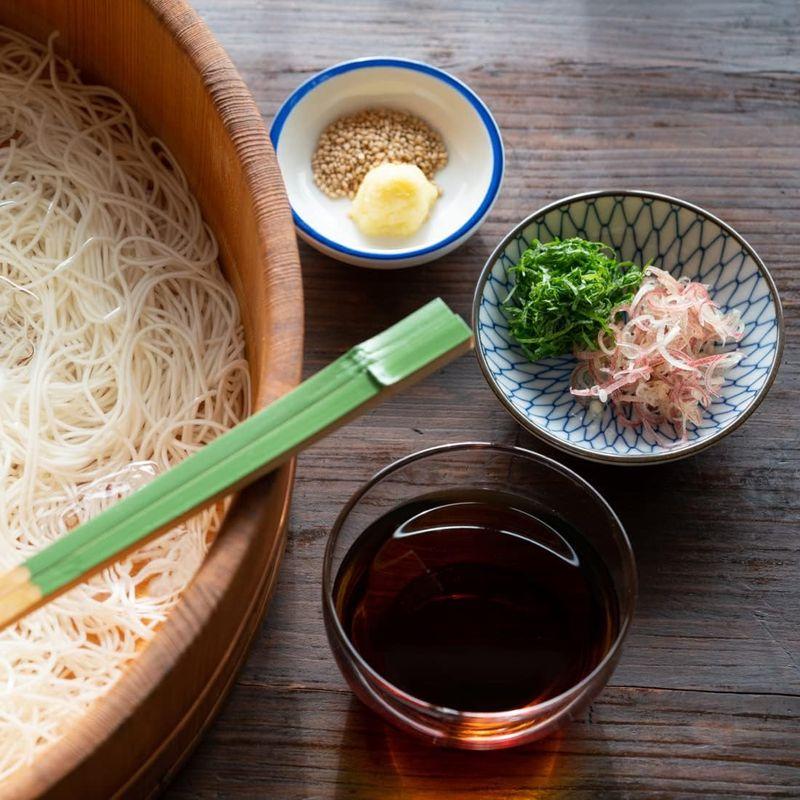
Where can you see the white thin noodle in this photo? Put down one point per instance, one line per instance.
(121, 351)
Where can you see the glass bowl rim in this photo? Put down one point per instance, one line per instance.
(629, 564)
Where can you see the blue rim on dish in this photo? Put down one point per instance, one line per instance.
(492, 129)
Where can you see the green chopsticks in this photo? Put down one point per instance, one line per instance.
(366, 374)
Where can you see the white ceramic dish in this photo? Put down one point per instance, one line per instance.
(470, 182)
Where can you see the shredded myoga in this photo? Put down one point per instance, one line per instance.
(121, 352)
(661, 360)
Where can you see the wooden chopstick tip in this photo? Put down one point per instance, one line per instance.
(18, 595)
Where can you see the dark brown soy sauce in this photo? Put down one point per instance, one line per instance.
(473, 600)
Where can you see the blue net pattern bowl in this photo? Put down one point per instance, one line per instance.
(641, 227)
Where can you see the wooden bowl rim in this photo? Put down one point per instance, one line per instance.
(283, 371)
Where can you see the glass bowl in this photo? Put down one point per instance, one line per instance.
(477, 465)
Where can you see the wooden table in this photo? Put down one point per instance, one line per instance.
(699, 100)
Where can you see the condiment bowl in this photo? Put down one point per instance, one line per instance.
(641, 226)
(470, 182)
(536, 479)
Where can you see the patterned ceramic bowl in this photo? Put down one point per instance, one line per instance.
(640, 226)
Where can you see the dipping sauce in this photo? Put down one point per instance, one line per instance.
(475, 600)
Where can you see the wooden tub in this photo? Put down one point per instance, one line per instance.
(164, 61)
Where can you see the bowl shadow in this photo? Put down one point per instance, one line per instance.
(375, 760)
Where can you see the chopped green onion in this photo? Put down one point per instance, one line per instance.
(565, 292)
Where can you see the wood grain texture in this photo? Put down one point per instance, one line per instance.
(163, 60)
(700, 100)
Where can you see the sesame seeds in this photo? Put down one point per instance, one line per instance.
(352, 145)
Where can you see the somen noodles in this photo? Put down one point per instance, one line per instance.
(121, 351)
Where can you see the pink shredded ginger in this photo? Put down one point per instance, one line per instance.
(660, 362)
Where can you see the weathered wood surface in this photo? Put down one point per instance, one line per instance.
(700, 100)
